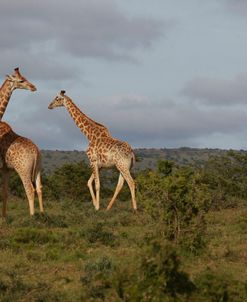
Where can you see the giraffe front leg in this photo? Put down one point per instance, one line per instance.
(90, 186)
(97, 184)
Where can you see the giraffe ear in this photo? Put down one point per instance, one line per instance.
(62, 92)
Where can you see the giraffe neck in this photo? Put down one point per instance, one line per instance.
(88, 127)
(5, 94)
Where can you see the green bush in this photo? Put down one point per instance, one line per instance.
(177, 203)
(68, 181)
(225, 177)
(165, 167)
(15, 186)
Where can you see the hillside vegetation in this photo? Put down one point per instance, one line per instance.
(146, 158)
(186, 242)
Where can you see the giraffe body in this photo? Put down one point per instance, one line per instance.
(23, 156)
(103, 151)
(108, 152)
(17, 152)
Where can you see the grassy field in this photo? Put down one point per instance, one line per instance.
(58, 256)
(45, 258)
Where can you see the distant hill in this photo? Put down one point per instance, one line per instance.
(146, 158)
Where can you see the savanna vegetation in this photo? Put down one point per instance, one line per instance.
(187, 241)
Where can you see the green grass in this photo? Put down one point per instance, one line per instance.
(53, 257)
(50, 253)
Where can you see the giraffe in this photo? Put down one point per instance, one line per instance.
(103, 151)
(17, 152)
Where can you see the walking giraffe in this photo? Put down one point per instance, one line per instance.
(103, 150)
(17, 152)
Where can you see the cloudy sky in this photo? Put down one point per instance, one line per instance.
(160, 73)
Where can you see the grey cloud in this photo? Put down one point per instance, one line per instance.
(171, 123)
(49, 129)
(36, 66)
(44, 31)
(237, 6)
(217, 91)
(143, 125)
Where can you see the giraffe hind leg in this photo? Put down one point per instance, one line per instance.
(38, 185)
(29, 189)
(118, 189)
(127, 176)
(97, 185)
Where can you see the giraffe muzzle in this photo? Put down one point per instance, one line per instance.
(33, 88)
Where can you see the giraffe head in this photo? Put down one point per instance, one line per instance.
(18, 81)
(58, 101)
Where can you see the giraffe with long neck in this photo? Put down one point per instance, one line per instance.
(103, 151)
(17, 152)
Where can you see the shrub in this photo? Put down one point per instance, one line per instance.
(68, 181)
(177, 203)
(226, 178)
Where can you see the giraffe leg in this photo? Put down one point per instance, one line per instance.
(118, 189)
(97, 184)
(95, 177)
(39, 192)
(90, 186)
(29, 189)
(5, 180)
(127, 176)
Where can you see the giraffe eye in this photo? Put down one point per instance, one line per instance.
(21, 81)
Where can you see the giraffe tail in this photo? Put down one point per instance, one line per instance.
(36, 168)
(133, 159)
